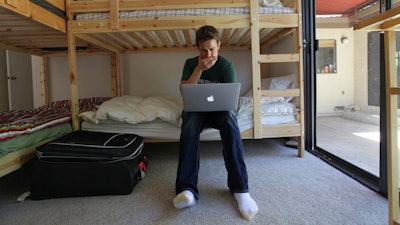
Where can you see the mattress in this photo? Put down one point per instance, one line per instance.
(184, 12)
(23, 141)
(159, 117)
(153, 130)
(164, 130)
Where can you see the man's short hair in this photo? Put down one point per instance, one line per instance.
(206, 33)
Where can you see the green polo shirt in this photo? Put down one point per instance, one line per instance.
(223, 71)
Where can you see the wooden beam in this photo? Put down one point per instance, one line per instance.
(17, 49)
(60, 4)
(99, 43)
(115, 74)
(102, 6)
(275, 58)
(73, 77)
(43, 80)
(374, 23)
(256, 70)
(114, 14)
(391, 115)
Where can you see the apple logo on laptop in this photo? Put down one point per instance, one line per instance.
(210, 98)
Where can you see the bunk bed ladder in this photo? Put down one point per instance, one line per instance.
(258, 59)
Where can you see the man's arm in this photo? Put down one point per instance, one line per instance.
(202, 64)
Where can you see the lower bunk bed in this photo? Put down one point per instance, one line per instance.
(158, 118)
(21, 131)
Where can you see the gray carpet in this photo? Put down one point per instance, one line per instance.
(287, 189)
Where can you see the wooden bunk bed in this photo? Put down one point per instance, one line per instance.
(103, 24)
(388, 22)
(35, 27)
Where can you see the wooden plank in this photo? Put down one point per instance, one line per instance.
(131, 40)
(390, 24)
(391, 115)
(275, 35)
(15, 160)
(19, 6)
(22, 50)
(43, 80)
(60, 4)
(256, 70)
(300, 78)
(277, 93)
(114, 14)
(175, 38)
(103, 5)
(73, 82)
(117, 40)
(164, 38)
(162, 23)
(281, 130)
(101, 44)
(279, 20)
(275, 58)
(115, 74)
(395, 91)
(150, 36)
(374, 23)
(47, 18)
(140, 38)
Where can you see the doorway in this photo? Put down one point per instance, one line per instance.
(15, 81)
(346, 127)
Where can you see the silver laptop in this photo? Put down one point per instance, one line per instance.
(210, 97)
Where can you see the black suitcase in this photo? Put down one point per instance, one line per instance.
(85, 163)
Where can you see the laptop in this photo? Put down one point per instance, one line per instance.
(210, 97)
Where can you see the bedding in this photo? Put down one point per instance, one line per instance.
(158, 117)
(23, 141)
(184, 12)
(20, 122)
(135, 109)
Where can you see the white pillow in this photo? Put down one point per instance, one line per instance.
(88, 116)
(122, 108)
(280, 108)
(276, 83)
(166, 108)
(270, 3)
(283, 82)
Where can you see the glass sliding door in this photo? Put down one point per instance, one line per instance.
(347, 95)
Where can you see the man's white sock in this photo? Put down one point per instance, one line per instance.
(184, 199)
(247, 206)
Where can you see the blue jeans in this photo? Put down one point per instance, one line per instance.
(193, 124)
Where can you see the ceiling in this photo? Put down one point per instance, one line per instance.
(344, 7)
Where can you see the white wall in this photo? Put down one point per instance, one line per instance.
(141, 74)
(337, 89)
(94, 79)
(160, 73)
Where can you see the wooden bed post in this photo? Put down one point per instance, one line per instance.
(300, 76)
(391, 115)
(115, 74)
(256, 71)
(43, 80)
(73, 74)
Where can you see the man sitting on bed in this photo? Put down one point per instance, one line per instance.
(205, 68)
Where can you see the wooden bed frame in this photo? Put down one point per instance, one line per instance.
(119, 36)
(389, 22)
(31, 28)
